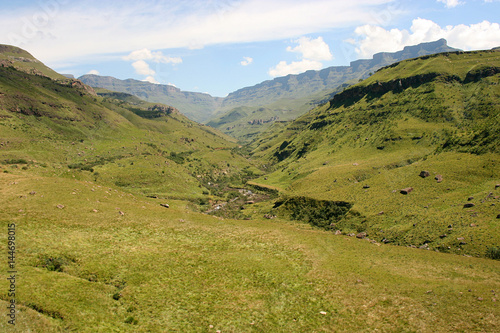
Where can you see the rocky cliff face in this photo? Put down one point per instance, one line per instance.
(310, 82)
(196, 106)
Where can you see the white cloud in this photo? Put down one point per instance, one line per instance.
(142, 68)
(295, 67)
(146, 54)
(151, 79)
(373, 39)
(312, 52)
(315, 49)
(451, 3)
(246, 61)
(94, 72)
(111, 28)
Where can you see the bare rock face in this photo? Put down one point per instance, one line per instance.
(406, 190)
(424, 174)
(361, 235)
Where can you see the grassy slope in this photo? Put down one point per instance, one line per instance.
(384, 139)
(24, 61)
(175, 270)
(70, 132)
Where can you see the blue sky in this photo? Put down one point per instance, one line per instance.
(219, 46)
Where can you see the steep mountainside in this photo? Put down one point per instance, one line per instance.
(139, 146)
(412, 149)
(196, 106)
(286, 98)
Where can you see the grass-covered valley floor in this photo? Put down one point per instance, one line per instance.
(87, 267)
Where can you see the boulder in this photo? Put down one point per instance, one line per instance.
(469, 205)
(165, 205)
(406, 190)
(438, 178)
(424, 174)
(361, 235)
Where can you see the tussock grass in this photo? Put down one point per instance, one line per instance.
(157, 269)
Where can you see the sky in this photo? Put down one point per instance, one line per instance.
(220, 46)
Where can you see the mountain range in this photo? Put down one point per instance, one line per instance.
(249, 111)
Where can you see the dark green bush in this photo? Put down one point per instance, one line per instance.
(493, 252)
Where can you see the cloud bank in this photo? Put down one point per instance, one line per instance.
(372, 39)
(58, 30)
(312, 52)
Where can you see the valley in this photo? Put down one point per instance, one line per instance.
(375, 209)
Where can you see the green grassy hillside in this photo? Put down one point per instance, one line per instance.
(73, 133)
(435, 114)
(86, 267)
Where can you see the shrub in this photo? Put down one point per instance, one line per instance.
(16, 161)
(131, 320)
(493, 252)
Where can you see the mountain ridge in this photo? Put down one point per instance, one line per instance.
(268, 94)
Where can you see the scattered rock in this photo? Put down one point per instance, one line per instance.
(469, 205)
(470, 198)
(121, 213)
(366, 186)
(406, 190)
(355, 164)
(322, 313)
(479, 298)
(438, 178)
(473, 225)
(380, 213)
(443, 236)
(269, 216)
(498, 216)
(351, 234)
(60, 206)
(32, 192)
(361, 235)
(165, 205)
(497, 186)
(460, 238)
(338, 232)
(94, 210)
(424, 174)
(250, 202)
